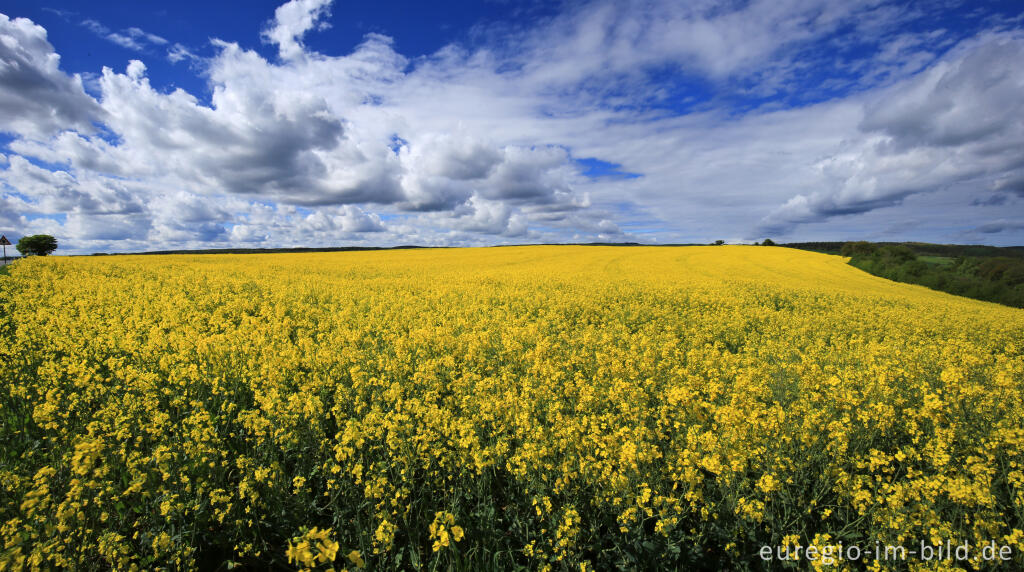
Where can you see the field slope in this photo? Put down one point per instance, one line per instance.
(524, 407)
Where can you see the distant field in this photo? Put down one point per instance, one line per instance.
(937, 260)
(560, 407)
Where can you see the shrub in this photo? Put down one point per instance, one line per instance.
(37, 245)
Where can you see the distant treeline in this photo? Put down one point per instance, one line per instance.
(921, 248)
(987, 273)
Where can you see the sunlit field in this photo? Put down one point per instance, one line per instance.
(563, 408)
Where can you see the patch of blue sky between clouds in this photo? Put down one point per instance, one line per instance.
(47, 165)
(57, 217)
(597, 169)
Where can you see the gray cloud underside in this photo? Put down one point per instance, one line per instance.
(37, 99)
(956, 122)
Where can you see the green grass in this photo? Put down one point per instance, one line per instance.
(3, 269)
(937, 260)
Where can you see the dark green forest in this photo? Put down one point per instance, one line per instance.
(990, 273)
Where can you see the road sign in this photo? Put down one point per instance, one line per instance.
(3, 240)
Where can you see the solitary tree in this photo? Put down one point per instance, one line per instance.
(768, 242)
(37, 245)
(719, 242)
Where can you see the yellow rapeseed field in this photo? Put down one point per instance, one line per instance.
(555, 407)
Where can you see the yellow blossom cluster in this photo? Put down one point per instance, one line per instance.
(444, 530)
(545, 407)
(314, 547)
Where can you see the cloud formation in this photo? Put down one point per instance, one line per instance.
(291, 21)
(133, 38)
(479, 142)
(957, 122)
(37, 99)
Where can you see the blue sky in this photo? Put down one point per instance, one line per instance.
(144, 126)
(419, 29)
